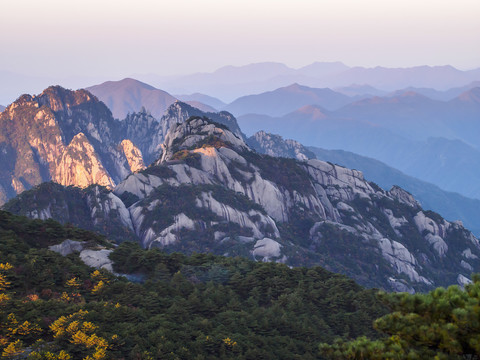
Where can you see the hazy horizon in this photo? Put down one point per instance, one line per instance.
(116, 39)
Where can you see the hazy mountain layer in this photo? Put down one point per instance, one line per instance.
(284, 100)
(231, 82)
(368, 128)
(202, 98)
(130, 95)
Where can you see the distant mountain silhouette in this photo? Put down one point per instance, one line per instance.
(204, 99)
(437, 94)
(130, 95)
(451, 164)
(231, 82)
(360, 90)
(284, 100)
(437, 77)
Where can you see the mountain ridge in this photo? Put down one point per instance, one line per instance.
(72, 138)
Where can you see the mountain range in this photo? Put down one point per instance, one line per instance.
(206, 190)
(72, 138)
(231, 82)
(209, 192)
(424, 138)
(450, 205)
(287, 99)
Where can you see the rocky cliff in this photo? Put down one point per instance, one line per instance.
(70, 137)
(61, 135)
(275, 145)
(209, 192)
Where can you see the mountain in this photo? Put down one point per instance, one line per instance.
(364, 90)
(409, 133)
(70, 137)
(157, 304)
(416, 116)
(451, 206)
(2, 108)
(148, 133)
(204, 99)
(209, 192)
(287, 99)
(275, 145)
(445, 95)
(232, 82)
(391, 79)
(201, 106)
(66, 136)
(322, 69)
(130, 95)
(409, 114)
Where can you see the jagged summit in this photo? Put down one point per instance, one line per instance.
(62, 135)
(275, 145)
(183, 111)
(197, 133)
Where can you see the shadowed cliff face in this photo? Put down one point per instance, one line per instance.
(209, 192)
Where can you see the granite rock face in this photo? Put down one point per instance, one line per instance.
(275, 145)
(71, 137)
(337, 215)
(60, 135)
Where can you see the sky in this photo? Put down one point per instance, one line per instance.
(118, 38)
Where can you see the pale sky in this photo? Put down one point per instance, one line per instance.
(120, 38)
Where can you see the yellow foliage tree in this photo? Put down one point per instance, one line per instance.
(13, 349)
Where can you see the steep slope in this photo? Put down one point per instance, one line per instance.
(275, 145)
(451, 206)
(130, 95)
(66, 136)
(284, 100)
(210, 193)
(94, 208)
(49, 285)
(147, 133)
(70, 137)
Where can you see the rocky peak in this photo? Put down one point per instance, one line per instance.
(199, 132)
(403, 196)
(180, 112)
(275, 145)
(60, 99)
